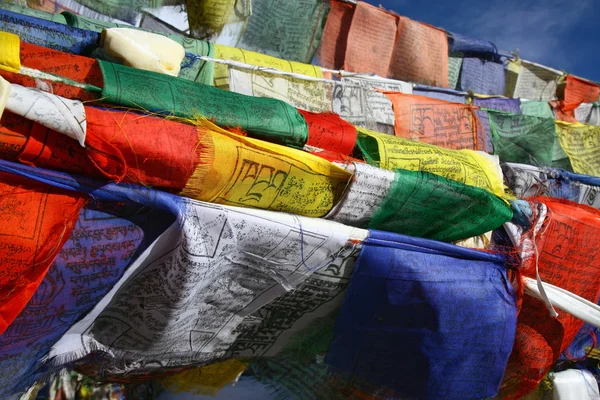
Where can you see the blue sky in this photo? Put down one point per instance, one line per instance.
(556, 33)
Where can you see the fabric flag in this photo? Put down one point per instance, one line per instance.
(367, 189)
(298, 325)
(332, 50)
(36, 221)
(54, 112)
(425, 205)
(123, 10)
(526, 181)
(492, 103)
(261, 60)
(21, 9)
(589, 188)
(579, 91)
(120, 145)
(464, 44)
(315, 96)
(482, 76)
(561, 245)
(563, 111)
(420, 54)
(527, 140)
(535, 82)
(371, 29)
(359, 100)
(11, 60)
(418, 203)
(328, 131)
(437, 122)
(76, 68)
(473, 168)
(536, 108)
(13, 139)
(426, 319)
(269, 119)
(252, 173)
(49, 34)
(105, 240)
(180, 301)
(196, 161)
(455, 61)
(298, 26)
(207, 18)
(588, 113)
(452, 96)
(90, 24)
(582, 144)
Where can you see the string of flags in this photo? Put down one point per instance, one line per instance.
(312, 199)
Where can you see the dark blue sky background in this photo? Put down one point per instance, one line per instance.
(557, 33)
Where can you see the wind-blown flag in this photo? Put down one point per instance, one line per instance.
(418, 203)
(180, 301)
(37, 220)
(107, 237)
(427, 319)
(562, 245)
(466, 166)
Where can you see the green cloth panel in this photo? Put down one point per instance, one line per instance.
(32, 12)
(200, 71)
(264, 118)
(526, 139)
(536, 108)
(285, 29)
(425, 205)
(124, 10)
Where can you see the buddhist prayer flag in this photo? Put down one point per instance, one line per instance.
(298, 24)
(466, 166)
(370, 29)
(437, 122)
(527, 181)
(320, 199)
(49, 34)
(559, 228)
(420, 54)
(151, 91)
(105, 239)
(528, 140)
(37, 221)
(492, 103)
(402, 202)
(482, 76)
(412, 309)
(253, 58)
(579, 91)
(582, 144)
(332, 52)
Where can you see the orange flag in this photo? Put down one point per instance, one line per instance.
(37, 220)
(370, 40)
(334, 40)
(420, 54)
(438, 122)
(579, 91)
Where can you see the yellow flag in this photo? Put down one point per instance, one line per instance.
(581, 142)
(208, 16)
(10, 52)
(470, 167)
(205, 380)
(252, 173)
(252, 58)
